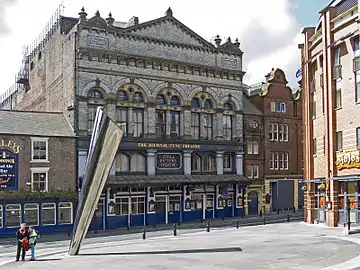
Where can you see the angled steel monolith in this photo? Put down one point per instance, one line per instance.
(104, 144)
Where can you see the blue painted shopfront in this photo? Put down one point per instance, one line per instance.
(48, 216)
(132, 207)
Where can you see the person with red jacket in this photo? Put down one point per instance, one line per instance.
(21, 234)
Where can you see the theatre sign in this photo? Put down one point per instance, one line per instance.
(9, 161)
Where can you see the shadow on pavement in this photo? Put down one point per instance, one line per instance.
(163, 252)
(47, 260)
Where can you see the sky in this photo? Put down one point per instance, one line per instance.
(269, 30)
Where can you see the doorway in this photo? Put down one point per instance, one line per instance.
(253, 203)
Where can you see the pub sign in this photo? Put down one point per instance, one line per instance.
(9, 151)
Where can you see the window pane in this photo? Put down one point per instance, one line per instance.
(138, 122)
(122, 118)
(208, 124)
(31, 214)
(174, 100)
(122, 96)
(48, 214)
(160, 100)
(208, 104)
(195, 103)
(195, 163)
(138, 163)
(39, 150)
(175, 123)
(39, 182)
(138, 98)
(209, 163)
(227, 127)
(13, 215)
(65, 213)
(160, 123)
(195, 125)
(122, 163)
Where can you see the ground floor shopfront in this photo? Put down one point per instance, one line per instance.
(166, 204)
(328, 201)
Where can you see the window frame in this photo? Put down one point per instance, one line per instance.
(37, 208)
(122, 200)
(137, 162)
(71, 213)
(39, 139)
(173, 116)
(256, 171)
(226, 128)
(91, 111)
(250, 169)
(48, 208)
(206, 158)
(160, 128)
(356, 47)
(40, 171)
(337, 56)
(358, 138)
(198, 159)
(18, 209)
(229, 161)
(120, 123)
(208, 129)
(142, 201)
(286, 161)
(272, 161)
(339, 141)
(357, 86)
(138, 124)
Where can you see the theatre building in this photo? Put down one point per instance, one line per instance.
(273, 139)
(331, 114)
(37, 172)
(178, 98)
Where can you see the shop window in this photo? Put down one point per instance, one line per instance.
(197, 202)
(31, 214)
(1, 216)
(13, 215)
(121, 206)
(209, 202)
(65, 213)
(39, 149)
(137, 189)
(48, 214)
(137, 205)
(39, 179)
(174, 203)
(351, 187)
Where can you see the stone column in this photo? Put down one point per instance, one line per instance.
(187, 162)
(151, 162)
(239, 163)
(220, 162)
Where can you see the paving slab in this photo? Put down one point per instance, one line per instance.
(278, 246)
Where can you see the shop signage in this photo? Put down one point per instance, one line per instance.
(169, 145)
(348, 160)
(168, 161)
(9, 151)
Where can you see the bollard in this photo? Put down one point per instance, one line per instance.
(128, 228)
(264, 221)
(208, 226)
(288, 217)
(237, 224)
(278, 211)
(175, 231)
(69, 234)
(144, 234)
(294, 210)
(261, 213)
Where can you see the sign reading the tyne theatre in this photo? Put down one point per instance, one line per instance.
(9, 151)
(169, 145)
(168, 161)
(348, 159)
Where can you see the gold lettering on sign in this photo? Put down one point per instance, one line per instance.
(11, 145)
(169, 145)
(348, 159)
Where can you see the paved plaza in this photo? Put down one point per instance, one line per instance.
(277, 246)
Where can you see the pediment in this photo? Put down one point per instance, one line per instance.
(169, 29)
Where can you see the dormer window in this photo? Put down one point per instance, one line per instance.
(279, 107)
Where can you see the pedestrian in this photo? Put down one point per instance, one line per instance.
(33, 235)
(21, 234)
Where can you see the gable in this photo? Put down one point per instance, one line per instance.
(169, 29)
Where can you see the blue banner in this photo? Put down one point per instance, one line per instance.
(8, 169)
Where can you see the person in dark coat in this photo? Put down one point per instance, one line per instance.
(20, 235)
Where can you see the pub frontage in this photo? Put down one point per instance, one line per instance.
(37, 172)
(155, 183)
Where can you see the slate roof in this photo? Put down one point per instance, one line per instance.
(49, 124)
(249, 108)
(175, 179)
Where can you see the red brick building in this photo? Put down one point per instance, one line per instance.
(273, 137)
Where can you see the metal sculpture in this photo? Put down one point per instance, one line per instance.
(104, 144)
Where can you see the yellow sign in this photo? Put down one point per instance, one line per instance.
(348, 159)
(11, 145)
(169, 145)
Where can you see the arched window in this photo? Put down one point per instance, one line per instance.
(138, 97)
(122, 163)
(174, 101)
(160, 99)
(195, 163)
(228, 121)
(208, 104)
(138, 163)
(95, 94)
(209, 163)
(122, 96)
(195, 103)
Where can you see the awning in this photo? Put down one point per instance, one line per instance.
(176, 179)
(349, 178)
(316, 180)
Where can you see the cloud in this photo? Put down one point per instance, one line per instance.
(4, 28)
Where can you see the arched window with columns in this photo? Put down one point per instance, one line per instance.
(228, 117)
(202, 118)
(168, 103)
(130, 104)
(95, 99)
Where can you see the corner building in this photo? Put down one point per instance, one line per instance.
(331, 114)
(178, 99)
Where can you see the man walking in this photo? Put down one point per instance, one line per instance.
(21, 234)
